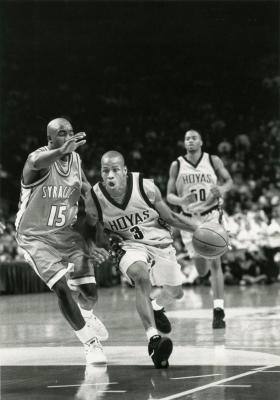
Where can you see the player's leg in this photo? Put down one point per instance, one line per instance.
(165, 273)
(67, 305)
(139, 274)
(46, 260)
(82, 281)
(217, 278)
(159, 348)
(217, 283)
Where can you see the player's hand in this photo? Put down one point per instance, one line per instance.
(188, 199)
(97, 254)
(73, 143)
(115, 244)
(216, 191)
(2, 228)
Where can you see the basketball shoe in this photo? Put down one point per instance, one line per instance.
(97, 326)
(94, 352)
(161, 320)
(159, 349)
(218, 318)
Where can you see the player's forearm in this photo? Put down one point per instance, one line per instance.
(44, 159)
(226, 187)
(174, 199)
(181, 222)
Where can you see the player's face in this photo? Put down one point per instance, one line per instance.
(193, 141)
(114, 174)
(61, 134)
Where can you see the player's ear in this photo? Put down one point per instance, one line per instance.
(49, 138)
(125, 169)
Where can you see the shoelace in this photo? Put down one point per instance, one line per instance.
(94, 343)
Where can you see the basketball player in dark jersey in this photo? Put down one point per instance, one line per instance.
(193, 185)
(51, 186)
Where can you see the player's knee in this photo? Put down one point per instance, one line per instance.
(142, 278)
(177, 294)
(61, 289)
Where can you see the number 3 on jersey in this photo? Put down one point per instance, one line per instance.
(57, 216)
(137, 233)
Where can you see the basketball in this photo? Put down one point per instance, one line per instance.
(210, 240)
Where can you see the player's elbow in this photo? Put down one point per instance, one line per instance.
(170, 198)
(33, 162)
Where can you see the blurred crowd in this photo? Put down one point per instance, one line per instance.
(145, 117)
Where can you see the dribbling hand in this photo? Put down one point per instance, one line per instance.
(73, 143)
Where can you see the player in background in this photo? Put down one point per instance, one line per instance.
(51, 186)
(132, 211)
(193, 185)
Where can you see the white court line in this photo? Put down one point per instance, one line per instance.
(213, 384)
(111, 391)
(196, 376)
(234, 386)
(84, 384)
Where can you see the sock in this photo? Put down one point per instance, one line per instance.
(150, 332)
(85, 313)
(155, 305)
(219, 303)
(85, 334)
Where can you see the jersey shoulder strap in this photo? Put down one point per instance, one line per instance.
(147, 191)
(212, 162)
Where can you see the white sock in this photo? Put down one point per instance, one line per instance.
(150, 332)
(85, 334)
(155, 305)
(219, 303)
(85, 313)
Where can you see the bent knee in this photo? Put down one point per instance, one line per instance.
(139, 273)
(177, 294)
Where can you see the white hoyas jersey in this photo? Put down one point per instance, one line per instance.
(135, 219)
(197, 179)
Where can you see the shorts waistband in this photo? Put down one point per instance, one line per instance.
(216, 207)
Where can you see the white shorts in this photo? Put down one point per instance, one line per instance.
(213, 216)
(162, 263)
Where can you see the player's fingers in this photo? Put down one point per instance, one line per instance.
(80, 143)
(79, 134)
(102, 251)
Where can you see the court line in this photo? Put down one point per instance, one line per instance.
(213, 384)
(234, 386)
(111, 391)
(196, 376)
(84, 384)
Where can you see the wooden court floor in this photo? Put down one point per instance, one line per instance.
(42, 359)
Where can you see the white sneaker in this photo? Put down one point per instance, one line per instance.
(94, 352)
(97, 326)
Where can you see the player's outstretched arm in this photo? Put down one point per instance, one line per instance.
(174, 219)
(43, 159)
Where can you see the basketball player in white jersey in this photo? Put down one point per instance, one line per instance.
(193, 185)
(51, 186)
(132, 208)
